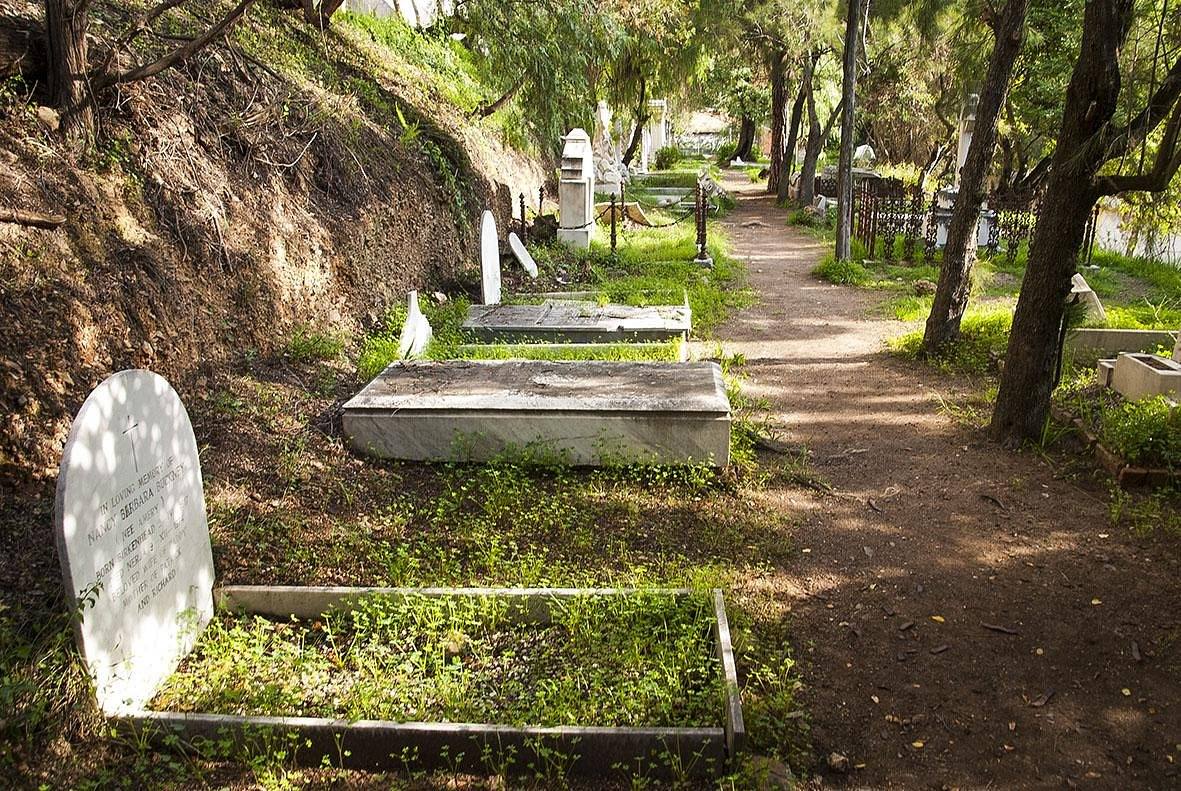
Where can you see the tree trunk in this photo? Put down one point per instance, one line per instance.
(65, 33)
(641, 119)
(746, 139)
(817, 135)
(776, 65)
(783, 187)
(844, 249)
(955, 276)
(1023, 401)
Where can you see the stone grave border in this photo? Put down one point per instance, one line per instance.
(384, 745)
(1126, 474)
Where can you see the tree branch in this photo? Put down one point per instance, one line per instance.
(32, 219)
(1126, 137)
(138, 26)
(178, 55)
(1168, 160)
(485, 110)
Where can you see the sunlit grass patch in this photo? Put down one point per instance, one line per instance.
(984, 336)
(637, 660)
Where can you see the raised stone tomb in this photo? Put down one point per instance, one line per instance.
(1137, 376)
(585, 413)
(577, 322)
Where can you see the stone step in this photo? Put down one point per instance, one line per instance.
(583, 413)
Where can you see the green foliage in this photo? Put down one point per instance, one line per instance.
(725, 153)
(1147, 513)
(845, 273)
(1145, 432)
(667, 157)
(984, 336)
(464, 659)
(310, 345)
(42, 685)
(443, 65)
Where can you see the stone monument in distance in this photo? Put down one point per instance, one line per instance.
(576, 191)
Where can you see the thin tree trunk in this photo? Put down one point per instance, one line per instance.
(65, 29)
(783, 188)
(746, 139)
(817, 135)
(955, 276)
(776, 65)
(844, 249)
(1023, 401)
(641, 119)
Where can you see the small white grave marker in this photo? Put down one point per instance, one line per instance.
(132, 536)
(489, 260)
(522, 254)
(416, 331)
(1080, 290)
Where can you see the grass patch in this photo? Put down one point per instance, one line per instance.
(643, 660)
(310, 345)
(1145, 432)
(984, 336)
(843, 273)
(909, 307)
(668, 351)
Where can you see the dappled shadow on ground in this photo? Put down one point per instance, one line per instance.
(964, 616)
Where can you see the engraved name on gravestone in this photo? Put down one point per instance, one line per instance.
(132, 536)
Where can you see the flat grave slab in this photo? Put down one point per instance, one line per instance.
(577, 322)
(586, 413)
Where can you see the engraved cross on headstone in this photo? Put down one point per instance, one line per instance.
(127, 432)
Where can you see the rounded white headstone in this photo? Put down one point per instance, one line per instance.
(489, 260)
(132, 536)
(522, 254)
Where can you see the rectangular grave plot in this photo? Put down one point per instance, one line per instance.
(473, 747)
(575, 322)
(580, 412)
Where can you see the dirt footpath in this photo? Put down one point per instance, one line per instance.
(963, 616)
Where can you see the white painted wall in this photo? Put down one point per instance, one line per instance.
(1110, 235)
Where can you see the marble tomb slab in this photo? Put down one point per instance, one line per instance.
(577, 322)
(585, 413)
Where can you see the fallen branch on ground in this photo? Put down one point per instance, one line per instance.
(32, 219)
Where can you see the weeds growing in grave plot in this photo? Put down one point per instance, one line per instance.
(643, 660)
(1146, 432)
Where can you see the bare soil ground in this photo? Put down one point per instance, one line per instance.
(965, 617)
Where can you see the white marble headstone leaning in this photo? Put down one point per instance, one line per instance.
(132, 536)
(521, 253)
(489, 260)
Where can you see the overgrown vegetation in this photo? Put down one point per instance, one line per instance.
(464, 659)
(983, 337)
(652, 266)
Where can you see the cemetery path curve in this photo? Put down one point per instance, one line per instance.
(963, 617)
